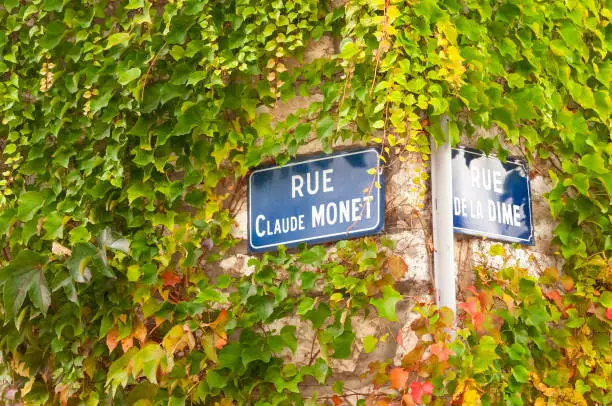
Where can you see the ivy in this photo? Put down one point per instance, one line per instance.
(525, 341)
(128, 128)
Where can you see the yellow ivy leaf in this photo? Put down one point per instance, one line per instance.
(471, 398)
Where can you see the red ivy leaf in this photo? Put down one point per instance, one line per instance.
(440, 351)
(170, 278)
(471, 307)
(418, 389)
(398, 378)
(609, 313)
(555, 296)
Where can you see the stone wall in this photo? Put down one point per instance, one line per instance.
(408, 223)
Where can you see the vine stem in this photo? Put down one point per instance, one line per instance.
(379, 51)
(312, 354)
(378, 168)
(144, 85)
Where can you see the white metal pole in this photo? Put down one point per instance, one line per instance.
(442, 208)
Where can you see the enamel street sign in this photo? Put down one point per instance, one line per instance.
(491, 198)
(316, 200)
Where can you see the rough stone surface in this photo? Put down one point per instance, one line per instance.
(542, 222)
(323, 48)
(526, 258)
(282, 110)
(412, 247)
(240, 227)
(408, 339)
(237, 264)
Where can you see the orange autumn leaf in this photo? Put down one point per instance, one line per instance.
(170, 278)
(64, 394)
(221, 340)
(111, 339)
(398, 378)
(471, 306)
(441, 351)
(407, 400)
(567, 282)
(140, 331)
(221, 319)
(555, 296)
(127, 343)
(336, 400)
(397, 266)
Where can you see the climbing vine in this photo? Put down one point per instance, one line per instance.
(128, 128)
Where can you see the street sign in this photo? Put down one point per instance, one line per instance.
(491, 198)
(316, 200)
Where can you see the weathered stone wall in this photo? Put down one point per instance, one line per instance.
(408, 223)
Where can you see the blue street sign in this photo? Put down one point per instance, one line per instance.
(491, 198)
(316, 200)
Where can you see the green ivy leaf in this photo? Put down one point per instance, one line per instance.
(606, 299)
(516, 351)
(386, 304)
(313, 256)
(147, 361)
(286, 338)
(320, 370)
(343, 344)
(302, 132)
(24, 275)
(325, 127)
(114, 241)
(305, 305)
(126, 76)
(29, 203)
(520, 373)
(231, 356)
(369, 344)
(215, 380)
(348, 49)
(595, 163)
(338, 387)
(120, 38)
(55, 33)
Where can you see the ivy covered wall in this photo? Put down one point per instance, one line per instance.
(128, 128)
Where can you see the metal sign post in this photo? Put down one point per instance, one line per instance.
(442, 208)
